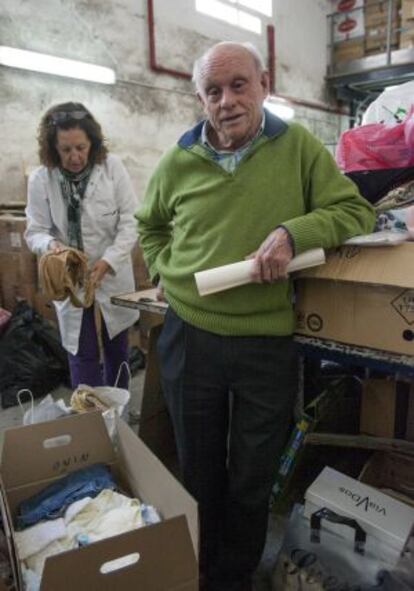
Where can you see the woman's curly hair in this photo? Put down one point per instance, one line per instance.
(69, 116)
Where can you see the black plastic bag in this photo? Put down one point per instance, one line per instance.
(375, 184)
(31, 356)
(136, 360)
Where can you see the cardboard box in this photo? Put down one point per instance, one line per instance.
(12, 228)
(407, 40)
(348, 25)
(36, 455)
(392, 473)
(379, 515)
(361, 296)
(18, 266)
(376, 39)
(345, 5)
(407, 11)
(348, 50)
(384, 407)
(18, 278)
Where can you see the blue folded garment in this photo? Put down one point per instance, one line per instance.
(52, 501)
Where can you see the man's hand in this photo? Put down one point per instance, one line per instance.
(55, 246)
(98, 271)
(272, 257)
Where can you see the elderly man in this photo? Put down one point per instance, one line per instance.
(241, 183)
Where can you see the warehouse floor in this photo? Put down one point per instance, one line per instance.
(12, 417)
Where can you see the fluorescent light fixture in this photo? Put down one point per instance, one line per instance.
(40, 62)
(280, 107)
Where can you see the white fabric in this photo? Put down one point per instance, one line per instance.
(75, 508)
(33, 539)
(31, 580)
(108, 514)
(108, 231)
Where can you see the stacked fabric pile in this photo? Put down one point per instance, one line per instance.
(77, 510)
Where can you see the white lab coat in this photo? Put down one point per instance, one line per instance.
(108, 232)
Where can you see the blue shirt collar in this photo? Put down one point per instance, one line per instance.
(273, 127)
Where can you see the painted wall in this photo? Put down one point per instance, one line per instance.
(144, 112)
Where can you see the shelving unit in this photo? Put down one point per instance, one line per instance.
(358, 80)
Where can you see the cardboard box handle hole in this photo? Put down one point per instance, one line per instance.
(59, 441)
(119, 563)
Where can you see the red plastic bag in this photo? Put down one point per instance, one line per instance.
(377, 146)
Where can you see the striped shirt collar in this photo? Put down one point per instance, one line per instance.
(206, 142)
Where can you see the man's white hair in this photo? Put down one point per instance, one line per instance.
(252, 49)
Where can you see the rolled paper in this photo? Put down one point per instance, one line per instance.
(227, 276)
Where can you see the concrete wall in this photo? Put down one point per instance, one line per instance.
(144, 112)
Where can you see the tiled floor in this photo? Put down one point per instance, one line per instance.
(12, 417)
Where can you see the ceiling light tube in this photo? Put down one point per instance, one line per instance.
(40, 62)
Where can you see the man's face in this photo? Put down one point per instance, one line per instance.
(232, 92)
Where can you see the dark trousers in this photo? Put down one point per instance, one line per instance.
(85, 366)
(231, 401)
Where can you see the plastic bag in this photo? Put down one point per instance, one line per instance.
(47, 410)
(377, 146)
(31, 356)
(391, 106)
(314, 558)
(116, 399)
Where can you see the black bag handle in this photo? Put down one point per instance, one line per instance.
(324, 513)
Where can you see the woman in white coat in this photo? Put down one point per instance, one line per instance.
(82, 197)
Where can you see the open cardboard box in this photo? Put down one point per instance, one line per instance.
(362, 296)
(36, 455)
(392, 473)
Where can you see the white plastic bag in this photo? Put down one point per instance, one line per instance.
(116, 399)
(391, 106)
(47, 410)
(320, 560)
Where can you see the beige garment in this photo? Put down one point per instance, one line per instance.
(62, 274)
(84, 398)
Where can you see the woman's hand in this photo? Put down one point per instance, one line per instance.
(56, 246)
(98, 271)
(272, 257)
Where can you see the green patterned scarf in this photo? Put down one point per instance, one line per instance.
(73, 186)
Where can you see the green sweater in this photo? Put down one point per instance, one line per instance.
(196, 216)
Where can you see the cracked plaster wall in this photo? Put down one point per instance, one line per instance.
(145, 112)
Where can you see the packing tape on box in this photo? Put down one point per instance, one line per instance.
(236, 274)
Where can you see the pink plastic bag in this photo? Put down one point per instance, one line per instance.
(376, 146)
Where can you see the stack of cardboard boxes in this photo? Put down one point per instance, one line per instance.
(347, 30)
(407, 24)
(376, 19)
(18, 268)
(359, 27)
